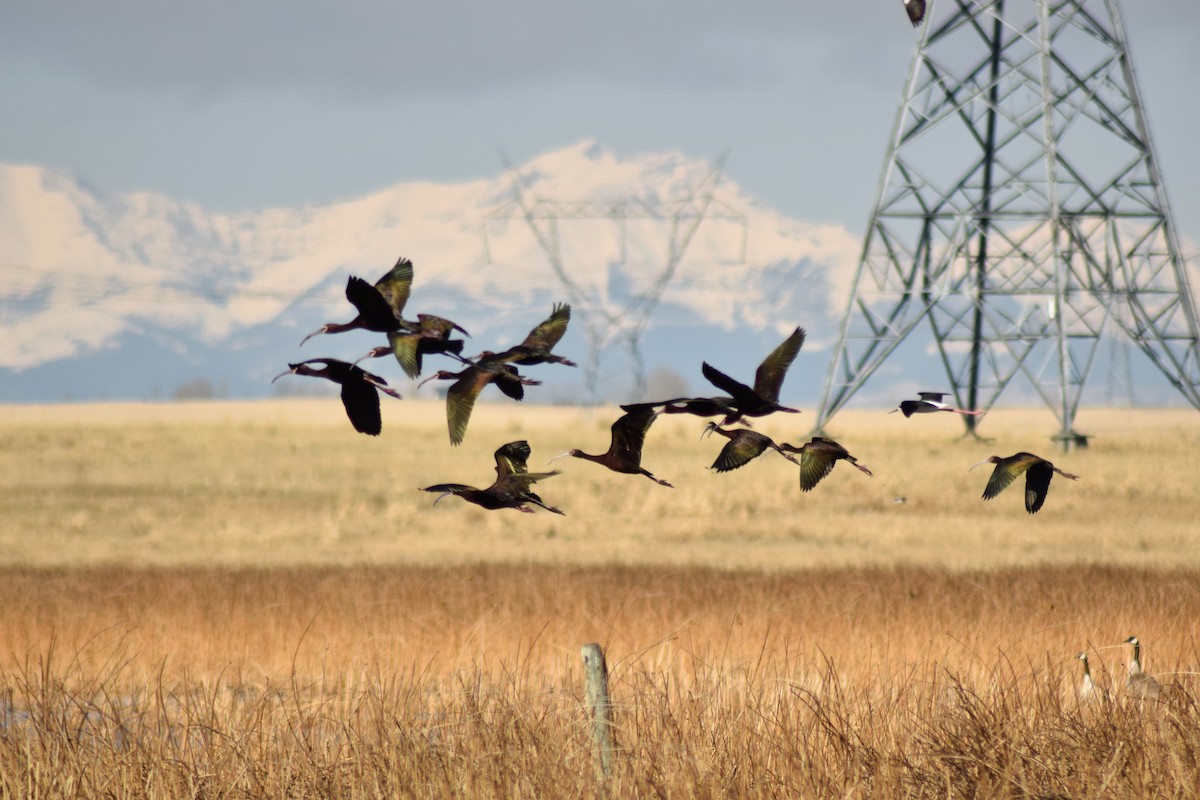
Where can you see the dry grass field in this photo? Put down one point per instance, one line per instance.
(248, 600)
(258, 484)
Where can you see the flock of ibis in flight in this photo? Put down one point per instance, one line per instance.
(381, 307)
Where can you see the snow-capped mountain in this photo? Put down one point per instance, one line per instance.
(132, 295)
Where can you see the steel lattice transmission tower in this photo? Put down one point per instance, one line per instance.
(605, 321)
(1021, 212)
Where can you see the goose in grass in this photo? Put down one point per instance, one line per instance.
(1137, 682)
(1088, 691)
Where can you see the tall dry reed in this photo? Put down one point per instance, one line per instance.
(369, 682)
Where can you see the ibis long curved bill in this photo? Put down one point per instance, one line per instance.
(374, 352)
(321, 330)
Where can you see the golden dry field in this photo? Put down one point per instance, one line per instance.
(289, 482)
(249, 600)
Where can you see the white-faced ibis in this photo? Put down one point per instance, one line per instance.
(763, 399)
(928, 404)
(1088, 690)
(743, 447)
(511, 487)
(916, 13)
(469, 382)
(1038, 472)
(1137, 682)
(432, 335)
(360, 390)
(625, 450)
(378, 306)
(536, 347)
(817, 459)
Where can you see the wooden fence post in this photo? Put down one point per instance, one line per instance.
(599, 707)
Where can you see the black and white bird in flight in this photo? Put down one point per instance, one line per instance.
(929, 403)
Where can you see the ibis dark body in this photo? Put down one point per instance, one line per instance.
(763, 397)
(818, 458)
(535, 348)
(511, 489)
(513, 459)
(624, 453)
(378, 305)
(916, 11)
(410, 348)
(469, 382)
(360, 390)
(697, 406)
(744, 446)
(1038, 472)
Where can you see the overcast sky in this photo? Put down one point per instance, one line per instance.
(245, 104)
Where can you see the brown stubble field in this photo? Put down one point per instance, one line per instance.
(250, 600)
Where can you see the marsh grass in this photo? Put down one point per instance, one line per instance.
(465, 681)
(249, 600)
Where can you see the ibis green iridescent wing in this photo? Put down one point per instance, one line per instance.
(405, 347)
(546, 335)
(629, 433)
(460, 401)
(437, 327)
(396, 285)
(741, 450)
(768, 380)
(817, 460)
(1008, 470)
(512, 458)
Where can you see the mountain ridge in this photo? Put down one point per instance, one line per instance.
(86, 276)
